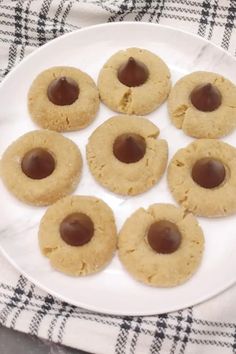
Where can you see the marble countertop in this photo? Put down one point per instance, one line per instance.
(13, 342)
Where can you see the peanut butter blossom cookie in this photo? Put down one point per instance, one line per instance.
(78, 235)
(125, 156)
(63, 99)
(134, 81)
(202, 178)
(161, 246)
(203, 104)
(41, 167)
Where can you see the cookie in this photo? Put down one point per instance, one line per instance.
(161, 246)
(202, 178)
(63, 99)
(203, 105)
(124, 155)
(78, 235)
(41, 167)
(134, 81)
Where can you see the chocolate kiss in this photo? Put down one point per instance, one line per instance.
(208, 172)
(63, 91)
(38, 164)
(129, 148)
(77, 229)
(133, 73)
(164, 237)
(206, 97)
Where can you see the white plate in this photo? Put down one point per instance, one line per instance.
(113, 290)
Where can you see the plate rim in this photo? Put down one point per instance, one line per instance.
(106, 311)
(112, 24)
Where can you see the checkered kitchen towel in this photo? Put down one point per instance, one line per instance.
(206, 328)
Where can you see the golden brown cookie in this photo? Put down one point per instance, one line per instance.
(41, 167)
(203, 105)
(78, 235)
(134, 81)
(63, 99)
(125, 156)
(202, 178)
(161, 246)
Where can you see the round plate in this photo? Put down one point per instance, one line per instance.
(113, 290)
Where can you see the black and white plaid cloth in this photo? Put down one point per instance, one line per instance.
(209, 328)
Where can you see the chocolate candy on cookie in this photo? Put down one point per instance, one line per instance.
(164, 237)
(202, 178)
(63, 98)
(134, 81)
(206, 97)
(208, 172)
(77, 229)
(125, 156)
(202, 104)
(63, 91)
(133, 73)
(129, 147)
(38, 163)
(41, 167)
(161, 246)
(78, 235)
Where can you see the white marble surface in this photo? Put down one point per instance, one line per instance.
(88, 49)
